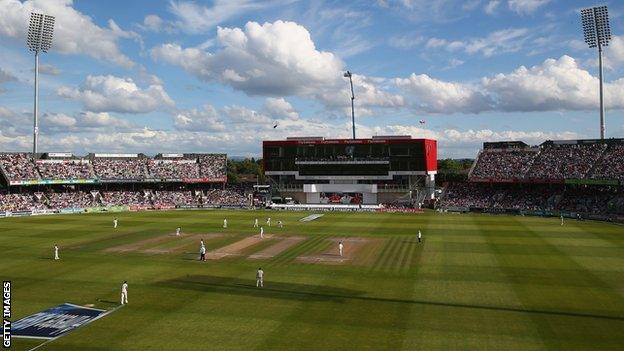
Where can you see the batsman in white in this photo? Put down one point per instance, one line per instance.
(115, 222)
(340, 247)
(56, 255)
(260, 278)
(224, 223)
(124, 292)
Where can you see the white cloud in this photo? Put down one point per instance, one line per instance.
(240, 114)
(280, 108)
(84, 122)
(554, 85)
(199, 120)
(406, 41)
(195, 18)
(6, 76)
(152, 23)
(524, 7)
(74, 32)
(274, 59)
(115, 94)
(436, 96)
(491, 6)
(501, 41)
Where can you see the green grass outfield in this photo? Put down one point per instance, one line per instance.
(477, 282)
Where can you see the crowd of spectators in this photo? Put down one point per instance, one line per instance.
(19, 202)
(19, 166)
(126, 198)
(503, 164)
(173, 169)
(467, 195)
(611, 165)
(134, 168)
(565, 161)
(70, 199)
(224, 197)
(212, 165)
(66, 169)
(594, 200)
(174, 198)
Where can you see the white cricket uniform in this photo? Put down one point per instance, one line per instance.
(115, 223)
(280, 224)
(561, 220)
(256, 223)
(419, 236)
(260, 278)
(269, 221)
(56, 256)
(261, 233)
(177, 231)
(124, 293)
(340, 247)
(225, 223)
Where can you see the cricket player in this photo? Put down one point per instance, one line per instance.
(269, 221)
(202, 253)
(224, 223)
(419, 237)
(280, 224)
(178, 229)
(340, 247)
(201, 243)
(115, 222)
(562, 219)
(256, 223)
(261, 232)
(56, 256)
(124, 292)
(260, 278)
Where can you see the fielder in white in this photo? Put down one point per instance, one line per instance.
(340, 247)
(260, 278)
(178, 229)
(124, 292)
(224, 223)
(56, 256)
(261, 233)
(561, 219)
(419, 237)
(256, 223)
(269, 221)
(280, 224)
(115, 222)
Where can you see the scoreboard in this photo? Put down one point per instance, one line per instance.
(383, 157)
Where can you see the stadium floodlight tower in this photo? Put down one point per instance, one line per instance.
(39, 38)
(597, 34)
(348, 74)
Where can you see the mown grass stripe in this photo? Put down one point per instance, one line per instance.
(386, 254)
(387, 266)
(405, 247)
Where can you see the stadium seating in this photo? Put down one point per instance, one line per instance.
(120, 169)
(65, 169)
(19, 166)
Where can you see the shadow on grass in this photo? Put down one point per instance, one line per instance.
(247, 287)
(305, 292)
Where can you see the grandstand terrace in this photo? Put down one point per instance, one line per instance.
(63, 182)
(575, 178)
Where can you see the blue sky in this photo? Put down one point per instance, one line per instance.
(216, 76)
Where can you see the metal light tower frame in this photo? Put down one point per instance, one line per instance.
(348, 74)
(40, 30)
(597, 34)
